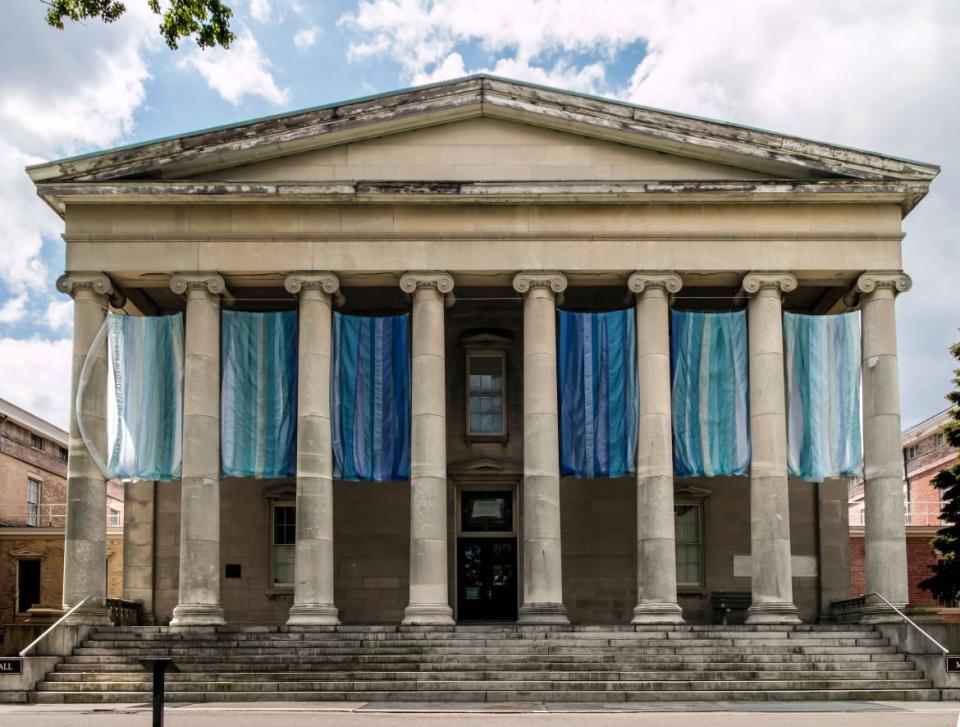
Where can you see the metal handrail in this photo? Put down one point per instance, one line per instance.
(53, 626)
(910, 621)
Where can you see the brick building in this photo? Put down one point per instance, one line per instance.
(925, 453)
(33, 506)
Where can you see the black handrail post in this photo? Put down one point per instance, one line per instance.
(159, 665)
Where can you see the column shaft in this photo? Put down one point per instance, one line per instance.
(542, 575)
(199, 600)
(314, 566)
(884, 529)
(772, 581)
(656, 538)
(429, 599)
(138, 547)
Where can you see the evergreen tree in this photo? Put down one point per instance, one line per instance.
(945, 581)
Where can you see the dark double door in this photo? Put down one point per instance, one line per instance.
(487, 579)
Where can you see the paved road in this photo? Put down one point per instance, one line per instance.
(847, 714)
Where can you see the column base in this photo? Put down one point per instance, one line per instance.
(427, 614)
(93, 613)
(547, 614)
(657, 613)
(197, 614)
(880, 613)
(772, 613)
(313, 614)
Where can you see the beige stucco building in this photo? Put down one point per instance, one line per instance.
(481, 205)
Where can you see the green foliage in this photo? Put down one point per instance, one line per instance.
(206, 21)
(945, 581)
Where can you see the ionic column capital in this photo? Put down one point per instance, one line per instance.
(327, 282)
(641, 281)
(781, 281)
(213, 283)
(554, 280)
(896, 280)
(99, 283)
(440, 281)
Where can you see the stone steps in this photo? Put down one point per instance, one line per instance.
(487, 664)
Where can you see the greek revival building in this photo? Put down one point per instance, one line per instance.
(484, 351)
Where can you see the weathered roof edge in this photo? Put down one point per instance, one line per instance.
(472, 96)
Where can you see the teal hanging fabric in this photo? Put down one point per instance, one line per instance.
(258, 394)
(145, 408)
(371, 398)
(823, 395)
(708, 362)
(597, 369)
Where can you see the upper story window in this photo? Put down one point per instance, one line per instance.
(938, 440)
(486, 394)
(62, 453)
(33, 502)
(36, 441)
(115, 520)
(913, 451)
(282, 543)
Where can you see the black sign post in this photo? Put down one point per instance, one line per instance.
(953, 664)
(159, 664)
(11, 665)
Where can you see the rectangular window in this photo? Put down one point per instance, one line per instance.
(63, 453)
(485, 395)
(115, 521)
(689, 545)
(283, 543)
(938, 440)
(486, 512)
(36, 442)
(28, 584)
(33, 502)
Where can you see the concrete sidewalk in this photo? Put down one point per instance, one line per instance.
(367, 714)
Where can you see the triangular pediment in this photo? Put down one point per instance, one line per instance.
(571, 136)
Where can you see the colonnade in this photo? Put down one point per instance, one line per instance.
(542, 602)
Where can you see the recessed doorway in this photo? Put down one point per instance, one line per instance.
(486, 556)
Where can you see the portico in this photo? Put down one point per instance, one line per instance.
(569, 204)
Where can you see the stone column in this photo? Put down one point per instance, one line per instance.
(884, 529)
(656, 540)
(429, 600)
(199, 601)
(138, 530)
(769, 487)
(85, 545)
(313, 566)
(542, 578)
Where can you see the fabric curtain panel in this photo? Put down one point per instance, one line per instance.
(597, 369)
(708, 361)
(145, 406)
(371, 398)
(258, 394)
(823, 390)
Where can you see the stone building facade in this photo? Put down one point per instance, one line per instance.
(481, 205)
(33, 510)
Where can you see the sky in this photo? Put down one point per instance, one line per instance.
(882, 75)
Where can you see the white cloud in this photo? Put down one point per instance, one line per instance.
(260, 10)
(306, 37)
(35, 375)
(59, 314)
(241, 71)
(14, 309)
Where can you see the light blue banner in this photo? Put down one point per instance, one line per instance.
(597, 369)
(258, 394)
(708, 361)
(146, 406)
(823, 389)
(371, 398)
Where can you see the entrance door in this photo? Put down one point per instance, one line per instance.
(28, 584)
(487, 579)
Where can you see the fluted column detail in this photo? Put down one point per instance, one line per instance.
(429, 597)
(772, 581)
(542, 576)
(199, 599)
(884, 530)
(656, 537)
(313, 602)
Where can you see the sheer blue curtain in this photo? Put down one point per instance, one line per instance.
(708, 361)
(823, 388)
(597, 369)
(371, 397)
(258, 395)
(146, 402)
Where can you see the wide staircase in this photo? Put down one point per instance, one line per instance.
(490, 664)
